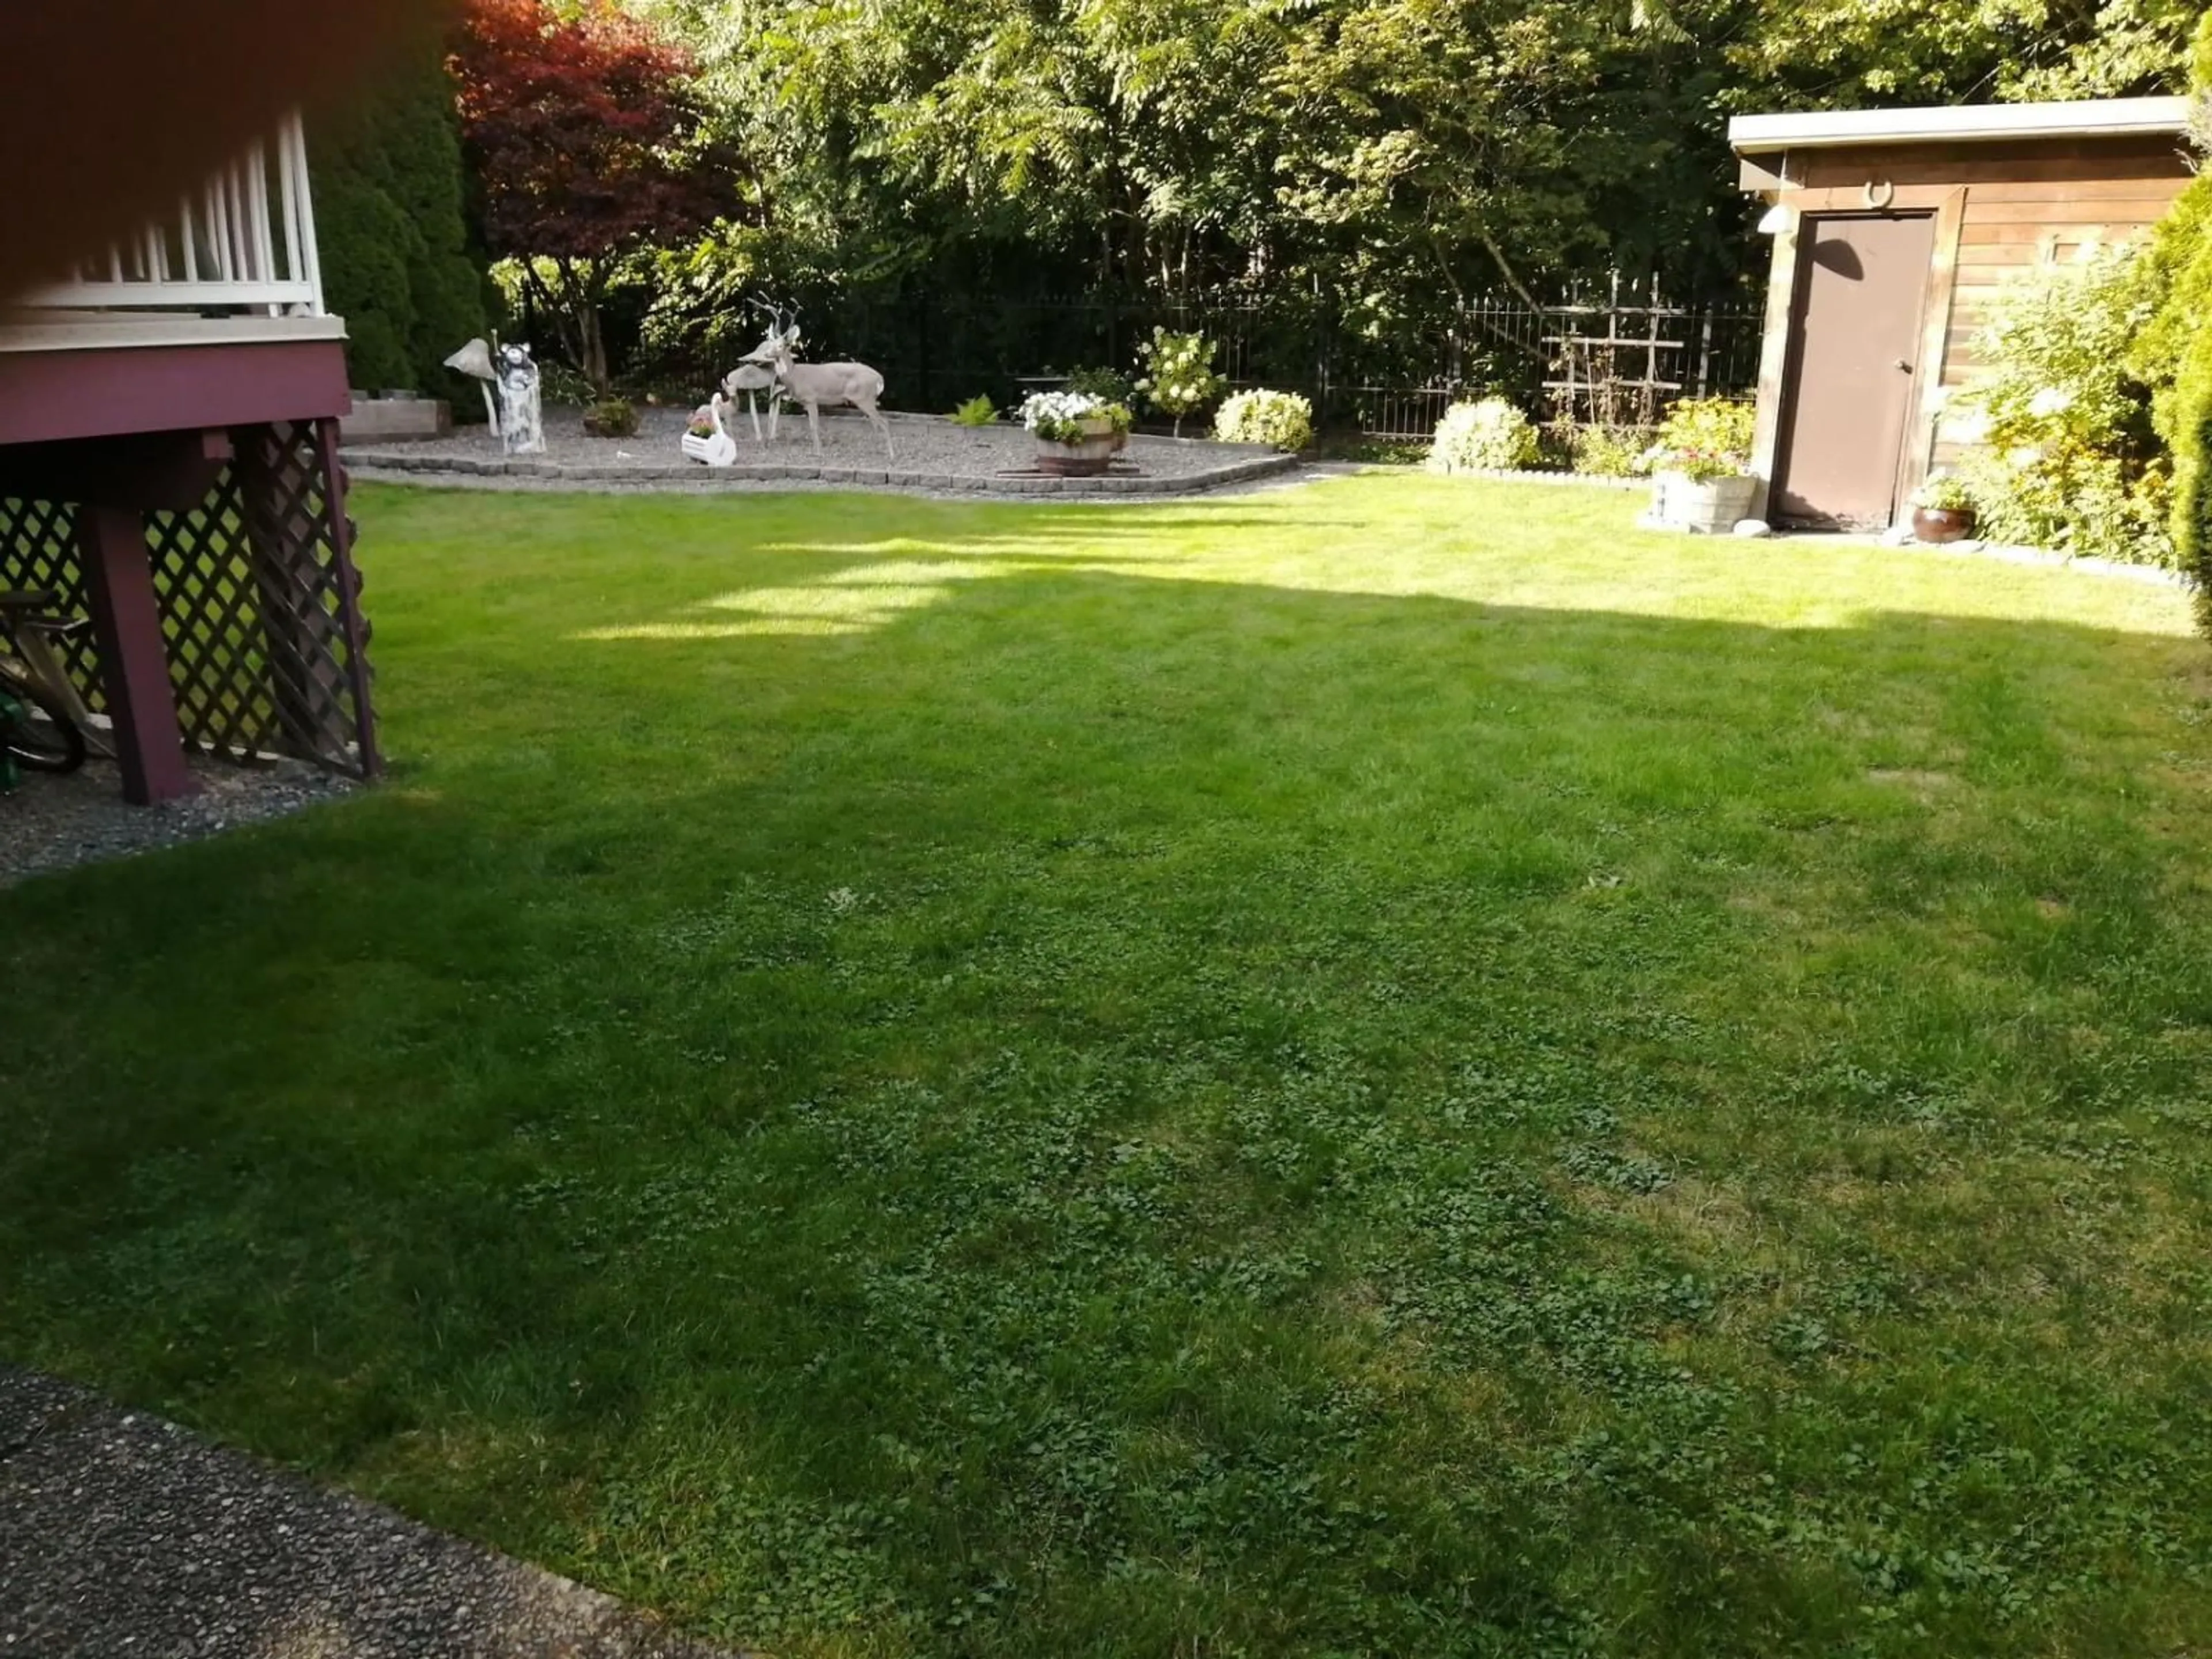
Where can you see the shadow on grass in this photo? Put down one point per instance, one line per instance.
(1073, 1112)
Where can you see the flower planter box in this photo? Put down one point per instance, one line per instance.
(1942, 524)
(1089, 457)
(1712, 506)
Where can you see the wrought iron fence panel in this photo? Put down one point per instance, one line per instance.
(1611, 352)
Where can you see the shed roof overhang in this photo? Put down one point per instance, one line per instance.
(2106, 118)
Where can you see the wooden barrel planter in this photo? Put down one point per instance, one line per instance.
(1089, 457)
(1705, 506)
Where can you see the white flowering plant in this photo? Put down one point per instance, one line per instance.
(1281, 419)
(1491, 435)
(1179, 378)
(1069, 417)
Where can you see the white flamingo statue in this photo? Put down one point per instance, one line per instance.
(721, 449)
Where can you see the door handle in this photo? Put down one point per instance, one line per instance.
(1907, 367)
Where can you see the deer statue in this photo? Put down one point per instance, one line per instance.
(816, 387)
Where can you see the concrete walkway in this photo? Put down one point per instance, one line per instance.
(125, 1537)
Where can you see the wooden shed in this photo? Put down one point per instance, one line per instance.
(1893, 230)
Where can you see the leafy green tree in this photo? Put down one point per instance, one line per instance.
(581, 127)
(1832, 52)
(1369, 158)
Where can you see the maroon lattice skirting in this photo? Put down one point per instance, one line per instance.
(260, 600)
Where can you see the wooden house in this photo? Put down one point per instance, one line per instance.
(1893, 231)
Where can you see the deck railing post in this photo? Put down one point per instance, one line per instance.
(251, 262)
(126, 621)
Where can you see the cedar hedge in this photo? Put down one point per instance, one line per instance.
(391, 222)
(2174, 355)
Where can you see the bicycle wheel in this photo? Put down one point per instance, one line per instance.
(42, 737)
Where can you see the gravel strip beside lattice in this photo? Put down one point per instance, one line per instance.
(51, 823)
(124, 1534)
(934, 456)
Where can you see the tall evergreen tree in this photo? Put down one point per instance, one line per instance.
(392, 227)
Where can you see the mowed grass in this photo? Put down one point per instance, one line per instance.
(1395, 1067)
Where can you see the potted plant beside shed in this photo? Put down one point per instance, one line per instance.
(1701, 466)
(1077, 435)
(1943, 509)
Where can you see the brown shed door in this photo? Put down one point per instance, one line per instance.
(1856, 333)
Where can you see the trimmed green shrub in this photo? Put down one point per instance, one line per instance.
(391, 231)
(1611, 451)
(1489, 436)
(611, 417)
(1282, 420)
(362, 237)
(2174, 292)
(2189, 429)
(2172, 355)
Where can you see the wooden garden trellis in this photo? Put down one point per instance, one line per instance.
(1589, 387)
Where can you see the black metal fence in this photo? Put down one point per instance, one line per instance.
(1611, 353)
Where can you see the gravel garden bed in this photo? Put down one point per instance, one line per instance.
(933, 455)
(51, 823)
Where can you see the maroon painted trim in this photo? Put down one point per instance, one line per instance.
(127, 619)
(145, 471)
(341, 532)
(46, 396)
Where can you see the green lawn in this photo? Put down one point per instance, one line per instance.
(1396, 1068)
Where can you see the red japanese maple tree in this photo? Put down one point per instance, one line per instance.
(580, 125)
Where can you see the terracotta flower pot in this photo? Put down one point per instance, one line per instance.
(1942, 524)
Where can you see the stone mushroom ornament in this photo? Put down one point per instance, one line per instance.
(755, 375)
(513, 400)
(755, 380)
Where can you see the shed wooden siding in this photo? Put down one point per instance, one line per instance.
(2024, 202)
